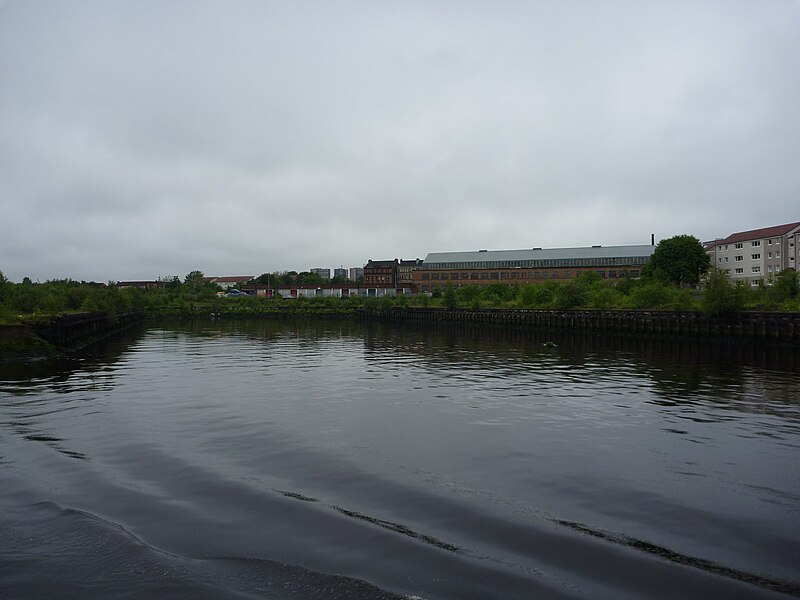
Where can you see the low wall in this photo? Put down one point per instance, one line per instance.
(769, 325)
(69, 331)
(14, 333)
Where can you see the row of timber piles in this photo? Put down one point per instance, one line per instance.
(763, 325)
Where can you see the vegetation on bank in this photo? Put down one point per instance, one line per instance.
(677, 277)
(28, 301)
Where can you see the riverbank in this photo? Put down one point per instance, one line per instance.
(70, 332)
(778, 326)
(62, 333)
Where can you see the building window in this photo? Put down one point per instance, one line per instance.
(465, 276)
(754, 283)
(737, 246)
(756, 256)
(739, 270)
(739, 258)
(756, 269)
(425, 276)
(473, 275)
(777, 254)
(769, 255)
(769, 242)
(756, 243)
(484, 275)
(495, 275)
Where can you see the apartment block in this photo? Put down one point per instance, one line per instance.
(755, 255)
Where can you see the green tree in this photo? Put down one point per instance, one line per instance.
(4, 285)
(720, 298)
(680, 260)
(569, 295)
(308, 278)
(785, 286)
(195, 278)
(450, 298)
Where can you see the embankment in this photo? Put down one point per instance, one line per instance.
(784, 327)
(62, 333)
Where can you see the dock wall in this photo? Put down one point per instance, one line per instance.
(74, 330)
(762, 325)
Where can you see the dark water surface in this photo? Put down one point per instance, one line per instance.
(341, 460)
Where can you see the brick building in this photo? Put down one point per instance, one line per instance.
(535, 265)
(381, 272)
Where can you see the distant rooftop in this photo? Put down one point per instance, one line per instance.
(436, 260)
(232, 279)
(757, 234)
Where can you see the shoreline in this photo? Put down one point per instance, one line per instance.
(69, 333)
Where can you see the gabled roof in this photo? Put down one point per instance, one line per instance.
(757, 234)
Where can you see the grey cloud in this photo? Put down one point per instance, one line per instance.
(151, 138)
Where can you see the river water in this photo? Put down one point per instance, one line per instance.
(282, 460)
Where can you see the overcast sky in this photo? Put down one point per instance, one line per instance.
(141, 139)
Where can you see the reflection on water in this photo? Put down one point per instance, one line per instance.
(348, 460)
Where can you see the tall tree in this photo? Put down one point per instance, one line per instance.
(679, 259)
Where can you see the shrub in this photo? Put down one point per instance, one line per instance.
(602, 295)
(538, 295)
(720, 297)
(653, 294)
(450, 299)
(569, 295)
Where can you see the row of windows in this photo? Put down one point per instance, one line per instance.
(518, 275)
(755, 257)
(540, 264)
(754, 244)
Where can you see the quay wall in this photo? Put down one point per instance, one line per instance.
(75, 330)
(760, 325)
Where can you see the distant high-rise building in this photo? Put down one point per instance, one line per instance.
(340, 272)
(324, 273)
(356, 273)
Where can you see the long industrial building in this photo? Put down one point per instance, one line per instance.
(535, 265)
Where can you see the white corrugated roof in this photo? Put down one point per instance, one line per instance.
(644, 250)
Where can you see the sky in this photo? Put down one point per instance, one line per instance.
(149, 138)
